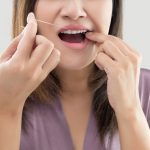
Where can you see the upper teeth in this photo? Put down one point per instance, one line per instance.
(73, 31)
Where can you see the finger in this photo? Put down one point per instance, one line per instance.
(8, 53)
(105, 62)
(129, 52)
(99, 37)
(126, 49)
(25, 46)
(41, 52)
(96, 37)
(52, 61)
(112, 51)
(132, 49)
(111, 48)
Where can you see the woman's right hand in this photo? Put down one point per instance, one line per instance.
(24, 65)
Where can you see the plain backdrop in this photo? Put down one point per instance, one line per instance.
(136, 27)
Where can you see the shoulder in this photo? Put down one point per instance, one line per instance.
(144, 91)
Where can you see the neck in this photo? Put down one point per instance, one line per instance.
(74, 82)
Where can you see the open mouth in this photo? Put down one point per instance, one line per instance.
(73, 36)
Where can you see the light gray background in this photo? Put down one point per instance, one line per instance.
(136, 28)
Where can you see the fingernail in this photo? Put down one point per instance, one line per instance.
(31, 17)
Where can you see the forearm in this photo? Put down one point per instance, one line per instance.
(134, 131)
(10, 129)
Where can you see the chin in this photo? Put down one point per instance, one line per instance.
(75, 65)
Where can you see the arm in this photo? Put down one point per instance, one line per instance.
(122, 66)
(22, 69)
(10, 129)
(134, 131)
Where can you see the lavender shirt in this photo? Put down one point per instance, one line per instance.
(47, 128)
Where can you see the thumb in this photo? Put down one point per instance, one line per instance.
(8, 53)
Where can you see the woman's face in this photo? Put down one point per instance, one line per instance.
(73, 15)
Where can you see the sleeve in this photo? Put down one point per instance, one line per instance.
(144, 92)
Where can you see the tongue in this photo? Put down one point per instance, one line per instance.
(72, 38)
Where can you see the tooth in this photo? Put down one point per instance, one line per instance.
(73, 31)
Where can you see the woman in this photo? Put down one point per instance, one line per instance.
(69, 82)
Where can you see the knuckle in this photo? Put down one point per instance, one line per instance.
(43, 76)
(127, 66)
(112, 38)
(47, 42)
(16, 67)
(106, 42)
(98, 56)
(38, 37)
(45, 45)
(136, 59)
(48, 45)
(44, 41)
(32, 75)
(57, 53)
(31, 37)
(140, 57)
(51, 44)
(137, 56)
(96, 61)
(35, 77)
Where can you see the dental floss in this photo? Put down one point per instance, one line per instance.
(45, 23)
(48, 23)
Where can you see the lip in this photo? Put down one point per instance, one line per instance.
(74, 27)
(77, 46)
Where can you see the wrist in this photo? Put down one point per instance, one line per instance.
(130, 114)
(11, 111)
(131, 109)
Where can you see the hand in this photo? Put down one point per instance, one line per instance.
(24, 65)
(122, 66)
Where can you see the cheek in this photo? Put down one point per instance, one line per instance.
(45, 11)
(39, 10)
(101, 16)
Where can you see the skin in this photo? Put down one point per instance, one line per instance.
(73, 12)
(120, 62)
(74, 65)
(20, 64)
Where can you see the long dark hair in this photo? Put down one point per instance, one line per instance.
(50, 87)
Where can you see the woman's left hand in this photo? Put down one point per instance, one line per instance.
(122, 66)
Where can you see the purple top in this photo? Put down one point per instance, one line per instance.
(47, 128)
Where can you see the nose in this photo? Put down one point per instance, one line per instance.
(73, 9)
